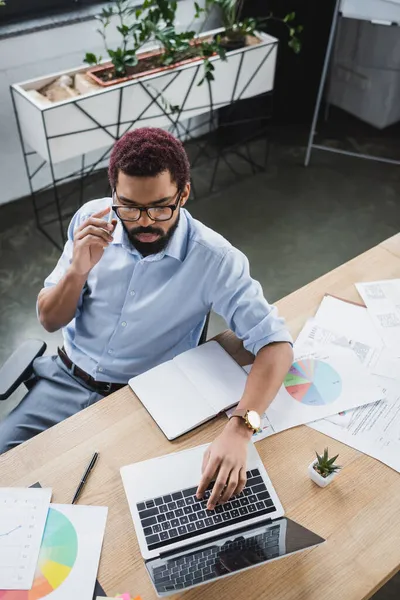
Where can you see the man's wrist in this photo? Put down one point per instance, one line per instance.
(76, 275)
(237, 426)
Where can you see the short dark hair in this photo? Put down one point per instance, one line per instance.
(147, 152)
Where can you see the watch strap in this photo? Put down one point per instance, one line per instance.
(239, 412)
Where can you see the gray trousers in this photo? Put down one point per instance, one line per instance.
(56, 396)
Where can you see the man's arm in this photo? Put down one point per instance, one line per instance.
(239, 299)
(57, 304)
(227, 455)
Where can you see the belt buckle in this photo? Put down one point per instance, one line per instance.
(108, 387)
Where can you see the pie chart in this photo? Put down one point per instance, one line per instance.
(56, 558)
(313, 382)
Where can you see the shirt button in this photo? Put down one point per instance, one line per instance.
(110, 351)
(132, 293)
(100, 369)
(123, 323)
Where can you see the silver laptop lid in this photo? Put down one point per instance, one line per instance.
(228, 554)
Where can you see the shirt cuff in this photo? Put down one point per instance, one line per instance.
(279, 336)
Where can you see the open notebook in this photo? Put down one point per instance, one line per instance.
(190, 389)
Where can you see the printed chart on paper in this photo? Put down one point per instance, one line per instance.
(23, 514)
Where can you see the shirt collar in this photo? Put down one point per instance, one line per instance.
(176, 247)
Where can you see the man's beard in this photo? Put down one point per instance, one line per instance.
(147, 248)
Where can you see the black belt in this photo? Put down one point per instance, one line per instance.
(101, 387)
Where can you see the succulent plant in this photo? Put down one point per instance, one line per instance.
(325, 466)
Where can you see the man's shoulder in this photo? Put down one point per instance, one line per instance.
(203, 238)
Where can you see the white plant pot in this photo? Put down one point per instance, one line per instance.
(372, 10)
(317, 478)
(89, 122)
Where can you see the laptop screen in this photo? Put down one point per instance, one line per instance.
(228, 554)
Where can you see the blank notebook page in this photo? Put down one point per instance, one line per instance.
(215, 374)
(171, 399)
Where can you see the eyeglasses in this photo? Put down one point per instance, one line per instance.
(155, 213)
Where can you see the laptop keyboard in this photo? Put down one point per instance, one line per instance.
(215, 561)
(179, 516)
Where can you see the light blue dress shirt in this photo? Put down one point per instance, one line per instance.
(136, 312)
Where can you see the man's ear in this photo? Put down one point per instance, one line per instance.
(185, 194)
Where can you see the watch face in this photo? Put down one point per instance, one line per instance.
(254, 419)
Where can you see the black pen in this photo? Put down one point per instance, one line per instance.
(85, 477)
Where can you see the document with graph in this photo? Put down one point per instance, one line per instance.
(23, 514)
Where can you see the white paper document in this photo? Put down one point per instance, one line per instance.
(321, 384)
(69, 554)
(348, 319)
(23, 514)
(314, 336)
(372, 429)
(387, 366)
(382, 299)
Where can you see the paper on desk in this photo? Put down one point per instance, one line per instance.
(382, 299)
(348, 319)
(23, 514)
(319, 384)
(372, 429)
(387, 365)
(314, 335)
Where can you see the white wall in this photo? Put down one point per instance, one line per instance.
(36, 54)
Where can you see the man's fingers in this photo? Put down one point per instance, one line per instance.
(206, 456)
(219, 485)
(99, 223)
(241, 482)
(91, 230)
(101, 213)
(94, 240)
(231, 487)
(207, 477)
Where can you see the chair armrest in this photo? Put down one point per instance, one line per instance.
(18, 367)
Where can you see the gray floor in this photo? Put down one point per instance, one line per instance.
(293, 223)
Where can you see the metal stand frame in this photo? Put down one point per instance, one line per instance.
(331, 43)
(179, 126)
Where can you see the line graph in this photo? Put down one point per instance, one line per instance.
(11, 531)
(23, 514)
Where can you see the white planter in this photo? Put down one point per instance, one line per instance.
(317, 478)
(79, 125)
(372, 10)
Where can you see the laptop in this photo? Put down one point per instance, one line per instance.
(184, 544)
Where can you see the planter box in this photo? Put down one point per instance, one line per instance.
(372, 10)
(317, 478)
(79, 125)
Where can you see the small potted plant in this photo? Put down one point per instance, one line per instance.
(323, 469)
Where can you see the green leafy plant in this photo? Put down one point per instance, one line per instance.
(236, 27)
(324, 465)
(154, 20)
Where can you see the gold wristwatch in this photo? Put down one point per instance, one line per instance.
(250, 417)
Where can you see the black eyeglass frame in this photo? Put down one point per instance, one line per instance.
(146, 209)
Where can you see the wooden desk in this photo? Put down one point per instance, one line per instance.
(358, 514)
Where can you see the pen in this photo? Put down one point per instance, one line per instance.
(85, 477)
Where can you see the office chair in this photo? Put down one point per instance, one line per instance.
(18, 368)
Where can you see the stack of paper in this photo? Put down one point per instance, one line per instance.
(321, 382)
(52, 550)
(382, 299)
(373, 429)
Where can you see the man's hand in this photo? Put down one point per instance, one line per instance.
(90, 241)
(226, 459)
